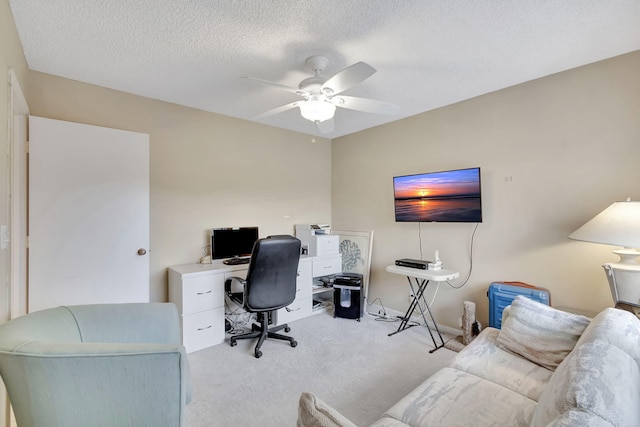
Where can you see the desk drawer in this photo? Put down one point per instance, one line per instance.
(304, 268)
(325, 245)
(298, 309)
(325, 265)
(303, 282)
(203, 329)
(202, 293)
(303, 288)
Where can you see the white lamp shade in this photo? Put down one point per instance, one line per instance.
(618, 225)
(317, 110)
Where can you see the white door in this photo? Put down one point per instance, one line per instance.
(88, 214)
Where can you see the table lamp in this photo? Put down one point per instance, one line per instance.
(618, 225)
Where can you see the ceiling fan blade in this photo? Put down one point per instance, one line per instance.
(277, 110)
(348, 77)
(365, 104)
(327, 126)
(274, 84)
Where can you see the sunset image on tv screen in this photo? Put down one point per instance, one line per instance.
(449, 196)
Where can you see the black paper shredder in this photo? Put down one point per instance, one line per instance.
(348, 298)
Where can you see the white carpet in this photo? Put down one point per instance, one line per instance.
(353, 366)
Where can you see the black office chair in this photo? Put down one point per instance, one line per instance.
(270, 285)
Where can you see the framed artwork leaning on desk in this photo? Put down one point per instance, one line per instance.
(355, 248)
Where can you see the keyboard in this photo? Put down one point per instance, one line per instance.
(236, 261)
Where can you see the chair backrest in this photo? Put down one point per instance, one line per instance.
(273, 269)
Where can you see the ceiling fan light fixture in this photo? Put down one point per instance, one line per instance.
(321, 94)
(317, 110)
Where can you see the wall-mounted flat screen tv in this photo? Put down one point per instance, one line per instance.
(447, 196)
(232, 242)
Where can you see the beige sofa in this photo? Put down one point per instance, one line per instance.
(545, 367)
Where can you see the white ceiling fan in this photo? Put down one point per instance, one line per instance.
(322, 94)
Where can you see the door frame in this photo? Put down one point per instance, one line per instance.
(16, 304)
(18, 149)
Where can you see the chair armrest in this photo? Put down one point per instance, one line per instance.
(119, 384)
(132, 323)
(229, 282)
(237, 297)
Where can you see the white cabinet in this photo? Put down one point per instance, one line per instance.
(198, 292)
(301, 306)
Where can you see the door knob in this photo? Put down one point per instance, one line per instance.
(142, 251)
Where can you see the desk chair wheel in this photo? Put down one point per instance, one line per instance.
(287, 329)
(233, 342)
(294, 343)
(258, 354)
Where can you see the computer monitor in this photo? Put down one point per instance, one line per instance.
(232, 242)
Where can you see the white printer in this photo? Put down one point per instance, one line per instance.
(317, 239)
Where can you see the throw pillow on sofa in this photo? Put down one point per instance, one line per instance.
(540, 333)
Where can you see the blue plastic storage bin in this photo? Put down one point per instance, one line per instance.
(502, 294)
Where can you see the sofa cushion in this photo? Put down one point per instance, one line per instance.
(540, 333)
(313, 412)
(618, 327)
(596, 378)
(485, 359)
(451, 397)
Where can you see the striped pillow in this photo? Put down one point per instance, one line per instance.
(540, 333)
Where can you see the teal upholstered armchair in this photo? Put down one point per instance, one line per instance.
(96, 365)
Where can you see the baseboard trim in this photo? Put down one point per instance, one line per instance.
(374, 309)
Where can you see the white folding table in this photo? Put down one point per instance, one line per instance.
(421, 279)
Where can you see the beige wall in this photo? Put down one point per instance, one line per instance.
(206, 170)
(554, 152)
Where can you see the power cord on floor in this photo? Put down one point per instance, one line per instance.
(238, 322)
(238, 318)
(382, 314)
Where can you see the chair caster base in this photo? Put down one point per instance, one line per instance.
(258, 354)
(294, 343)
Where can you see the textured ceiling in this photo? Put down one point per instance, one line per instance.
(428, 54)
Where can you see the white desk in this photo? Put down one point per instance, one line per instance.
(421, 279)
(198, 292)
